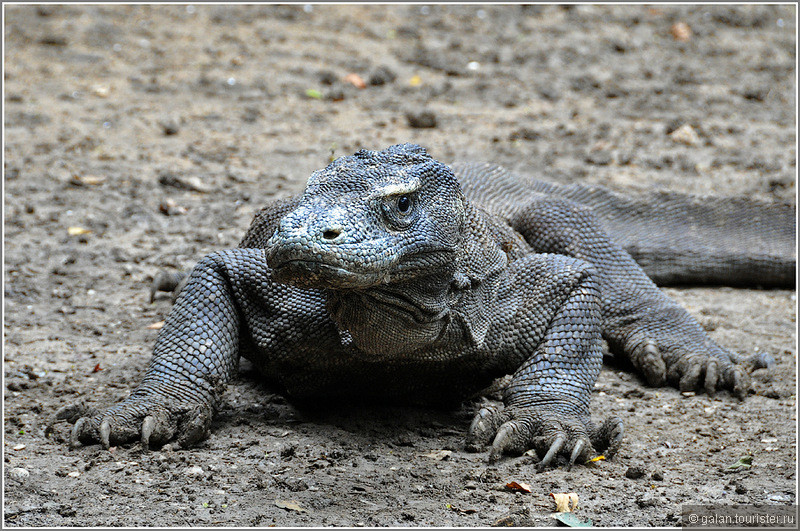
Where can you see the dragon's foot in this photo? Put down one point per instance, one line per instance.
(705, 366)
(551, 433)
(153, 419)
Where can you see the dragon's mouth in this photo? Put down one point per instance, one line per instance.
(305, 273)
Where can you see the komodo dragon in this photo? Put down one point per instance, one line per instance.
(395, 277)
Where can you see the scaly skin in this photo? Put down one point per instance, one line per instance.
(384, 281)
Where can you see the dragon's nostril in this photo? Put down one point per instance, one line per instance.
(331, 234)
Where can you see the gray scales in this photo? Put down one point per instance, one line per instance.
(396, 277)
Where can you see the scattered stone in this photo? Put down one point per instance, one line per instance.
(19, 473)
(335, 94)
(193, 471)
(525, 133)
(657, 475)
(755, 93)
(600, 157)
(646, 500)
(169, 207)
(66, 511)
(421, 120)
(382, 76)
(635, 472)
(193, 184)
(53, 40)
(169, 127)
(685, 134)
(295, 484)
(326, 77)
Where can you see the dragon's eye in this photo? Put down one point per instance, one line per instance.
(403, 204)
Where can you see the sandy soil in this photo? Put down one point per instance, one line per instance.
(116, 116)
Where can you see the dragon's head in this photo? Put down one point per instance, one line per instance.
(369, 219)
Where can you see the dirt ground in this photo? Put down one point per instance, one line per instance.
(139, 138)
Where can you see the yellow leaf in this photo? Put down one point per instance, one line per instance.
(415, 81)
(596, 459)
(565, 501)
(439, 455)
(290, 505)
(355, 80)
(77, 231)
(521, 487)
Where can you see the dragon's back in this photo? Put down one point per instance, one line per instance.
(676, 238)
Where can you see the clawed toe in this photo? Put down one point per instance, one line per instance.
(484, 426)
(552, 452)
(513, 431)
(153, 420)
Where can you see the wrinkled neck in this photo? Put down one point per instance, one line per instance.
(395, 318)
(451, 305)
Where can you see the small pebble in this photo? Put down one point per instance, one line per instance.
(635, 472)
(193, 471)
(421, 120)
(169, 127)
(19, 473)
(381, 76)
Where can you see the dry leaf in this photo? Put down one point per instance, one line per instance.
(290, 505)
(521, 487)
(565, 501)
(685, 134)
(570, 520)
(681, 31)
(355, 80)
(156, 326)
(77, 231)
(87, 180)
(439, 455)
(101, 91)
(170, 208)
(744, 462)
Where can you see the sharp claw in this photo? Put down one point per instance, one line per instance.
(759, 360)
(616, 440)
(148, 426)
(690, 378)
(553, 451)
(712, 375)
(764, 361)
(77, 429)
(105, 433)
(653, 365)
(576, 452)
(738, 381)
(499, 443)
(479, 422)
